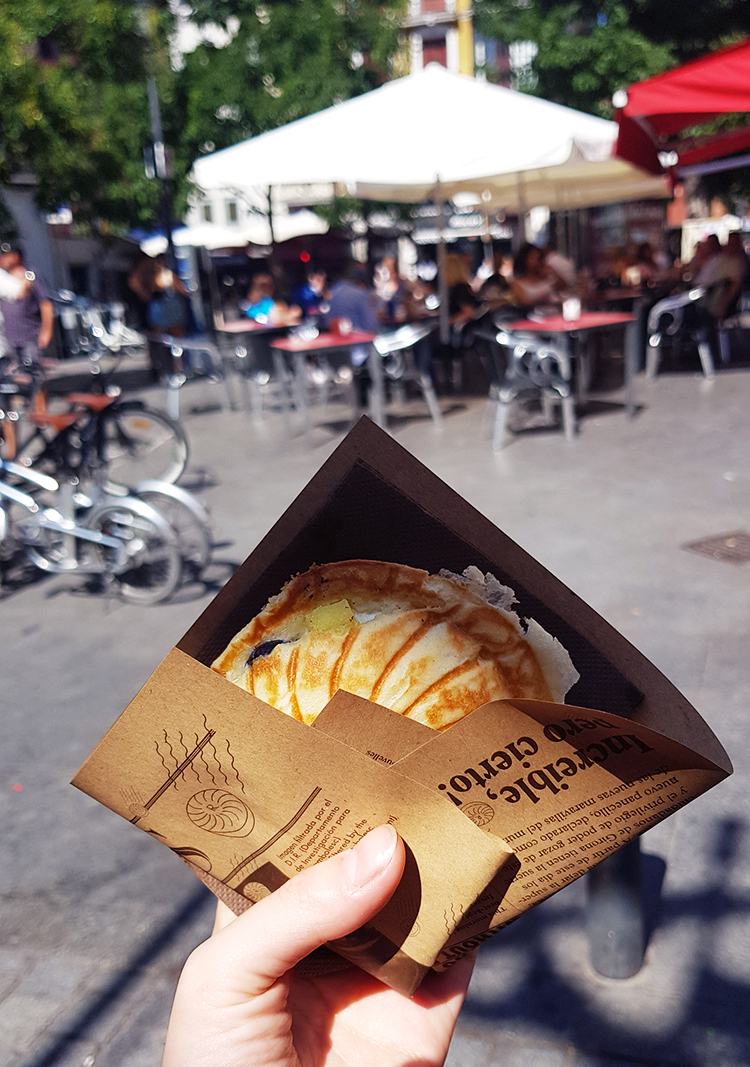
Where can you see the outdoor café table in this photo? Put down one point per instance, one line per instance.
(333, 345)
(245, 336)
(590, 322)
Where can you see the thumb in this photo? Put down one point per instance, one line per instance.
(323, 903)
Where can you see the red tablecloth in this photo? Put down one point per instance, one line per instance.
(589, 320)
(324, 340)
(248, 326)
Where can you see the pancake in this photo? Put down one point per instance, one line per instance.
(431, 647)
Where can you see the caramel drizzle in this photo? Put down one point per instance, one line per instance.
(393, 661)
(338, 666)
(291, 672)
(441, 682)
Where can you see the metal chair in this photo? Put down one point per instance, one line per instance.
(668, 317)
(179, 360)
(397, 349)
(264, 374)
(532, 367)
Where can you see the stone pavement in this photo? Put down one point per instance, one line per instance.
(97, 919)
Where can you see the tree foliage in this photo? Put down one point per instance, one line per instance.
(589, 48)
(286, 59)
(73, 83)
(75, 114)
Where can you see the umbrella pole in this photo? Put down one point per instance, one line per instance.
(213, 289)
(520, 235)
(273, 266)
(270, 217)
(445, 329)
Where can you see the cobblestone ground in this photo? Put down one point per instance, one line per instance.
(97, 918)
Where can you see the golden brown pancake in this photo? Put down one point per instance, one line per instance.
(431, 647)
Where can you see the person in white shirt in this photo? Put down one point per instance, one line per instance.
(11, 288)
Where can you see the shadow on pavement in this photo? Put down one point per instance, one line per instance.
(92, 1012)
(707, 1021)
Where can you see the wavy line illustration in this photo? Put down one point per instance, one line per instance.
(187, 750)
(192, 765)
(456, 918)
(161, 756)
(218, 763)
(206, 764)
(240, 783)
(171, 750)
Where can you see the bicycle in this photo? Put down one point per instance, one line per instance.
(187, 517)
(130, 440)
(85, 331)
(125, 540)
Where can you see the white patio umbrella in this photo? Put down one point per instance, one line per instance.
(255, 229)
(431, 135)
(434, 133)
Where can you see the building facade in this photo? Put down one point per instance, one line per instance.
(441, 31)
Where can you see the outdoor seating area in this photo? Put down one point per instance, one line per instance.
(628, 568)
(375, 534)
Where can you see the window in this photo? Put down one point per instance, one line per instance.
(232, 211)
(207, 213)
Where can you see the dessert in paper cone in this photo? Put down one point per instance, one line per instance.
(431, 647)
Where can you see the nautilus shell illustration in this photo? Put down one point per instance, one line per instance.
(220, 812)
(479, 813)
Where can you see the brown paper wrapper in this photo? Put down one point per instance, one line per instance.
(500, 811)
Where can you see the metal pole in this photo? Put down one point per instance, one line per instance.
(442, 266)
(161, 167)
(614, 913)
(270, 216)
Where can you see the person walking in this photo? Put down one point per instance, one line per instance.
(29, 319)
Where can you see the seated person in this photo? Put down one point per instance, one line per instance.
(311, 296)
(353, 301)
(420, 300)
(532, 283)
(390, 289)
(494, 293)
(462, 307)
(561, 268)
(721, 275)
(264, 309)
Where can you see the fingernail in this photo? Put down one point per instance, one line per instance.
(371, 856)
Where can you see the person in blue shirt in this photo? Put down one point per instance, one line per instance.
(264, 309)
(310, 297)
(353, 305)
(353, 300)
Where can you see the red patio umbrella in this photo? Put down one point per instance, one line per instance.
(658, 109)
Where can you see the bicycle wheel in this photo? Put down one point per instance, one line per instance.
(188, 518)
(147, 569)
(142, 443)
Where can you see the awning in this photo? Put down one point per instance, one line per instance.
(654, 111)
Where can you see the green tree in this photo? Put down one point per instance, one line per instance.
(286, 59)
(589, 48)
(692, 29)
(75, 113)
(586, 50)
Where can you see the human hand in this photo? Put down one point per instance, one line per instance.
(239, 1003)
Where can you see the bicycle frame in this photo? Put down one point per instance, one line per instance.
(53, 520)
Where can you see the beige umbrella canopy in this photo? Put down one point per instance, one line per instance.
(431, 135)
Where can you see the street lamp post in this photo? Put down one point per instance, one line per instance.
(157, 158)
(161, 167)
